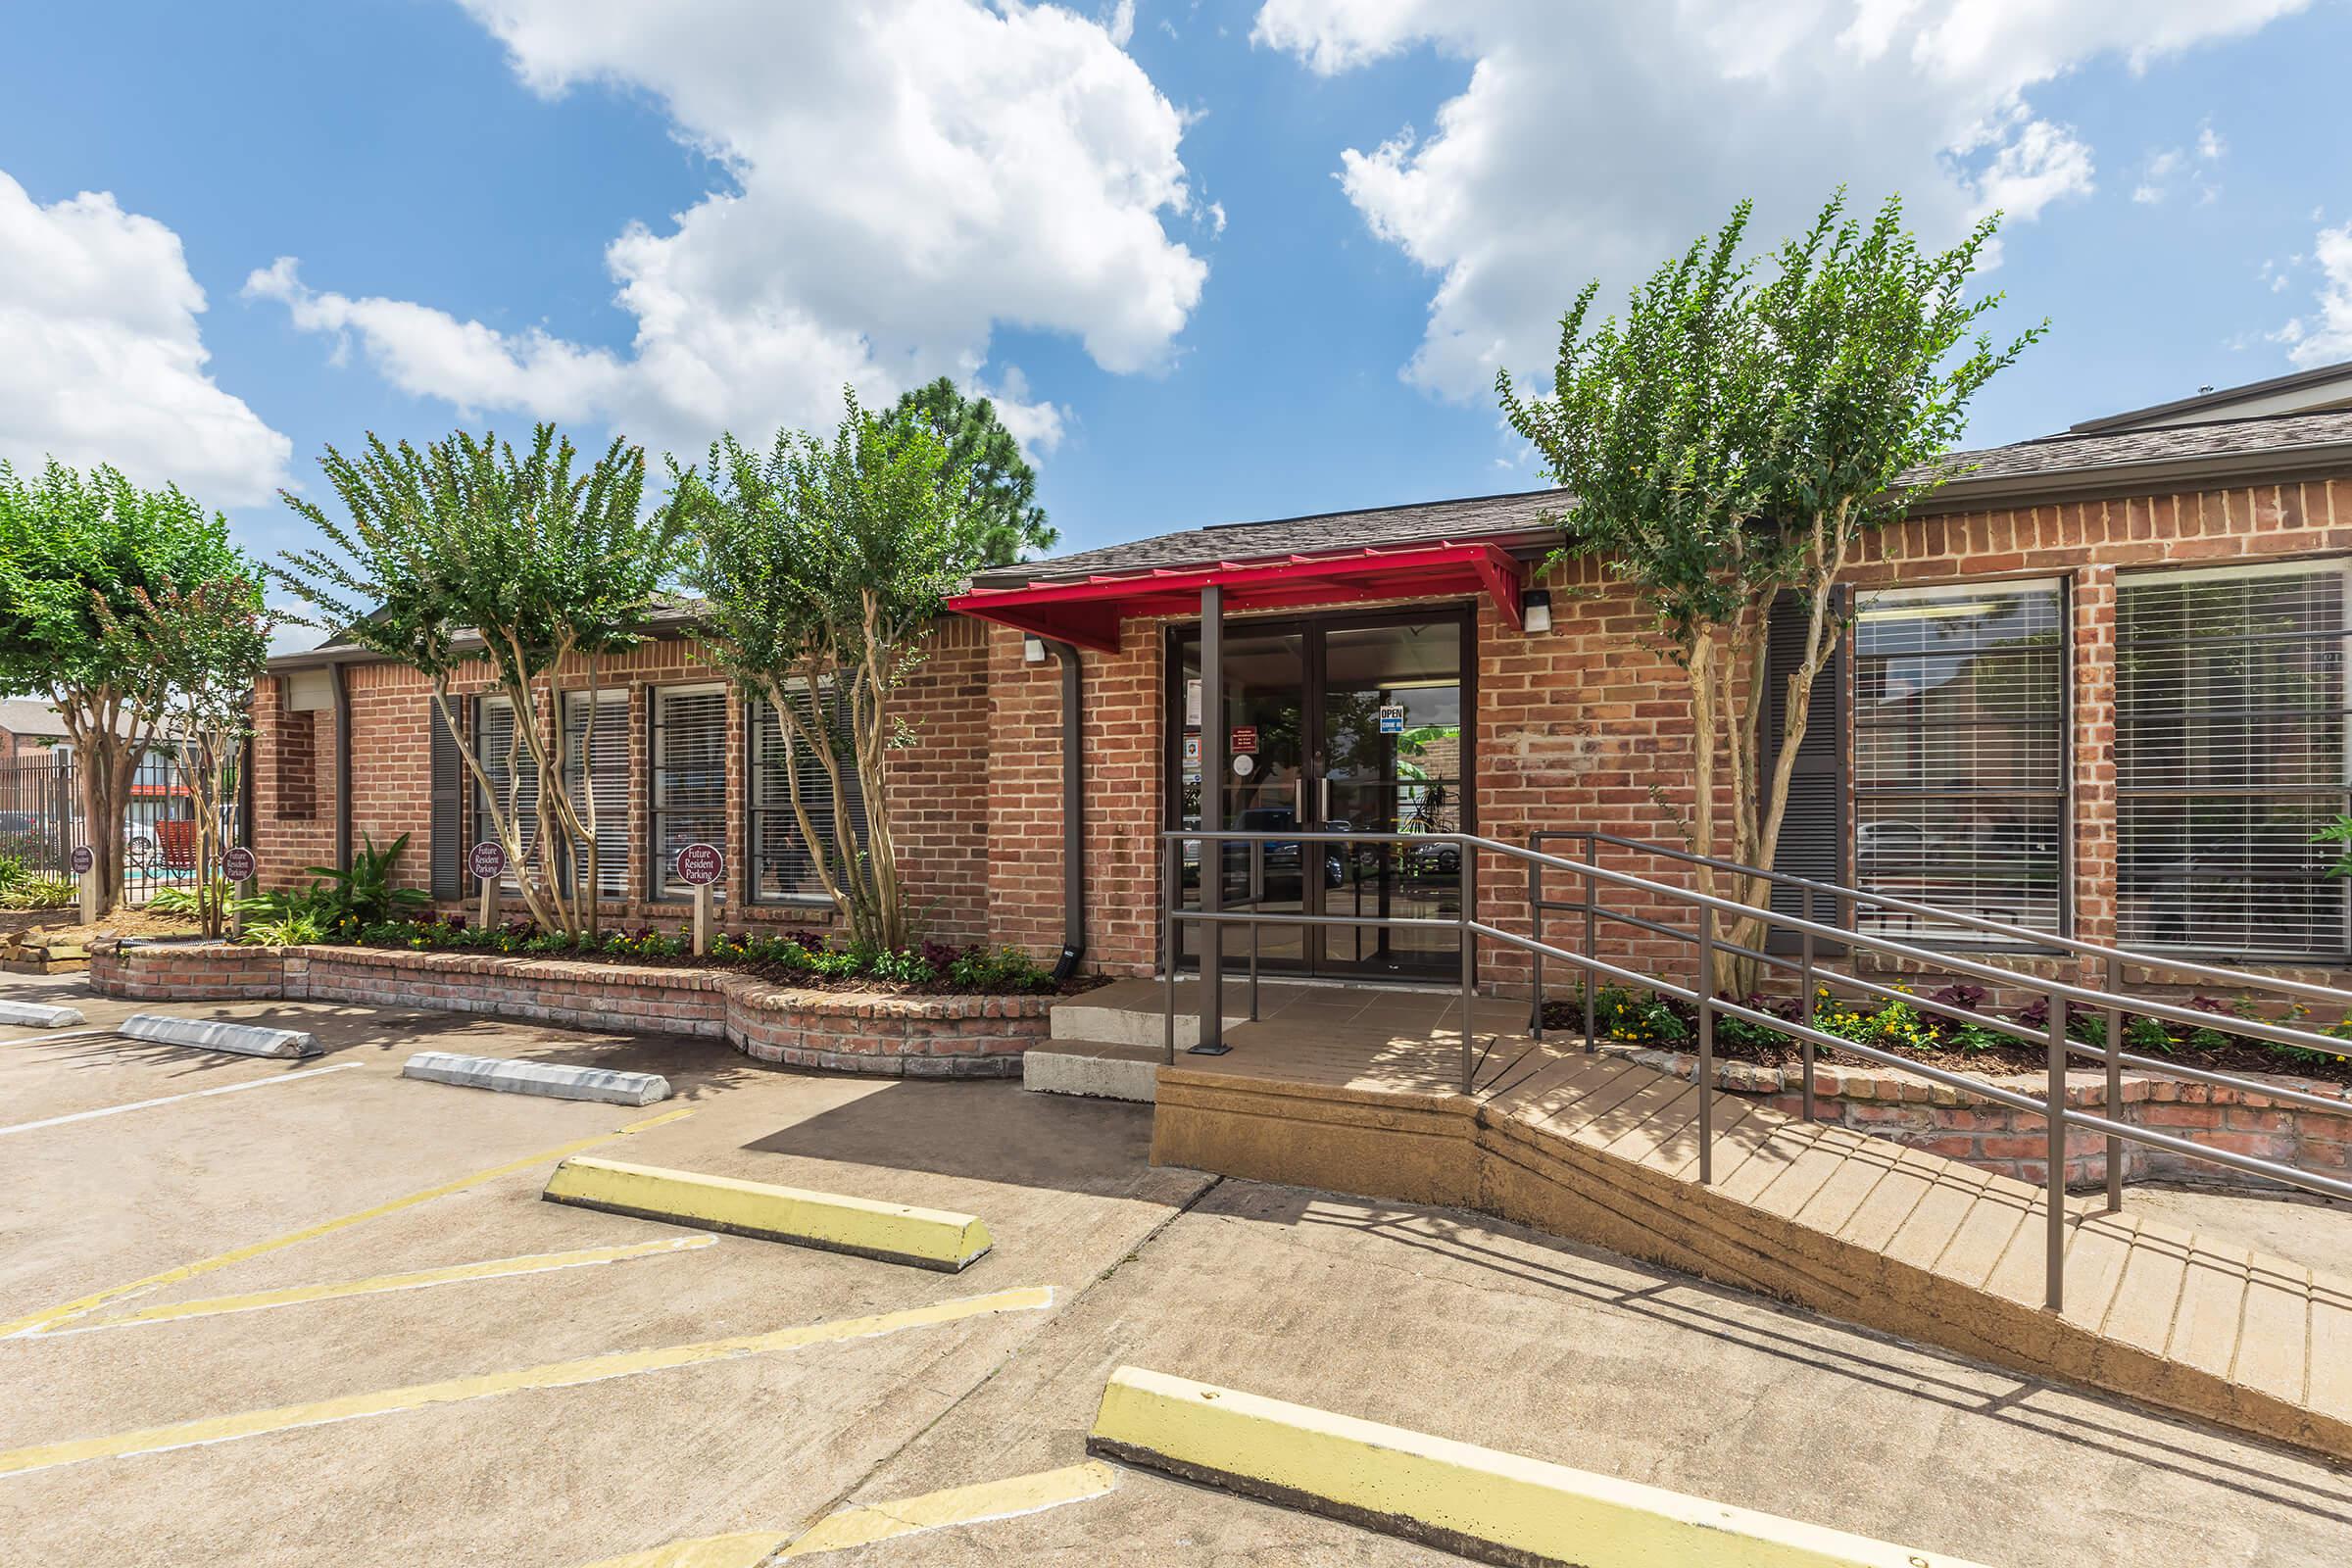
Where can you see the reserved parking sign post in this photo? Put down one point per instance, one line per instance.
(85, 866)
(699, 867)
(487, 860)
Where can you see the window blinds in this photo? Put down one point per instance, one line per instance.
(782, 869)
(506, 758)
(689, 779)
(1960, 755)
(2230, 756)
(596, 774)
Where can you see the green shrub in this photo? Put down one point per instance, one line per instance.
(293, 929)
(1002, 969)
(1975, 1037)
(36, 892)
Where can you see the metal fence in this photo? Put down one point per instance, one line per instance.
(41, 820)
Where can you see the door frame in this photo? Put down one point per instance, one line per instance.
(1309, 627)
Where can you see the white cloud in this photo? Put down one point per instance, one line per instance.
(906, 177)
(104, 359)
(2326, 335)
(1593, 141)
(2159, 174)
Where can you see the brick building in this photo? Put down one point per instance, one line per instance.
(2096, 687)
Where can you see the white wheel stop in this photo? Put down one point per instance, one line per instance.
(38, 1014)
(551, 1079)
(208, 1033)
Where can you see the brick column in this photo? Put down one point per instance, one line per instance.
(2092, 818)
(737, 835)
(641, 784)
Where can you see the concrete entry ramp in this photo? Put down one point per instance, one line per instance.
(1606, 1151)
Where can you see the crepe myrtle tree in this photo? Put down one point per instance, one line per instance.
(83, 560)
(201, 647)
(1730, 441)
(467, 553)
(822, 564)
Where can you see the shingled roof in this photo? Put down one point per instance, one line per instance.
(2283, 439)
(1531, 512)
(2062, 465)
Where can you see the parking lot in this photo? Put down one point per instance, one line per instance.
(277, 1312)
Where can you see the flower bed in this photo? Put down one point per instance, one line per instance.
(1888, 1102)
(897, 1035)
(1645, 1018)
(799, 958)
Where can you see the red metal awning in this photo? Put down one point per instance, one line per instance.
(1087, 610)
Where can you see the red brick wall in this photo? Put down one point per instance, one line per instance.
(940, 780)
(1583, 726)
(1888, 1102)
(293, 787)
(911, 1037)
(1122, 701)
(1587, 726)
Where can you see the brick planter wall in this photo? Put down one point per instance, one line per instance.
(186, 971)
(1906, 1108)
(925, 1036)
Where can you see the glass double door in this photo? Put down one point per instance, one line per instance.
(1341, 723)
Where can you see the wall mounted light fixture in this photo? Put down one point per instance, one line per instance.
(1535, 609)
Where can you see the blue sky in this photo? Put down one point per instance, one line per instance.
(1188, 241)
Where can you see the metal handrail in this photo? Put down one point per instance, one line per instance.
(2062, 995)
(2077, 946)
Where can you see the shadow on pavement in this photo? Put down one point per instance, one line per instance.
(996, 1132)
(1686, 1303)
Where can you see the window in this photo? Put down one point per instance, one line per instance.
(782, 871)
(507, 760)
(689, 797)
(596, 775)
(1960, 755)
(2230, 756)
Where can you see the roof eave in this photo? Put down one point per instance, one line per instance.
(2226, 398)
(2149, 476)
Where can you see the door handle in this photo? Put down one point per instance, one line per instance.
(1323, 801)
(1298, 804)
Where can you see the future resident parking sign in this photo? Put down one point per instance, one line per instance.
(701, 864)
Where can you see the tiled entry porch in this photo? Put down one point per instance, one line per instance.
(1372, 1038)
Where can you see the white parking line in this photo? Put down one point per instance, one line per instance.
(166, 1100)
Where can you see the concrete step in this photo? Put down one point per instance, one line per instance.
(1098, 1070)
(1082, 1019)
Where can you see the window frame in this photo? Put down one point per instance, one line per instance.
(2338, 795)
(752, 812)
(2064, 793)
(482, 704)
(574, 864)
(659, 881)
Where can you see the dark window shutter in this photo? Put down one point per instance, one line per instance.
(448, 798)
(1812, 842)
